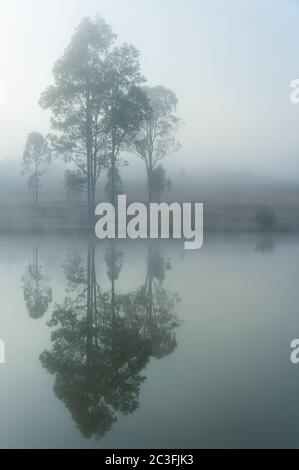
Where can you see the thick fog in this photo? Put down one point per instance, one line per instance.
(230, 64)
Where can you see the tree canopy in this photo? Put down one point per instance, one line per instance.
(95, 101)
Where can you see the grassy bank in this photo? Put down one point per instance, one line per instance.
(221, 217)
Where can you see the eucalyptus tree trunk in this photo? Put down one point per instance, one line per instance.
(113, 199)
(89, 152)
(150, 177)
(35, 187)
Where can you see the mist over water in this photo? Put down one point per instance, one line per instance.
(125, 344)
(209, 370)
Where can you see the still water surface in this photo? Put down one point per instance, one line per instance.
(132, 345)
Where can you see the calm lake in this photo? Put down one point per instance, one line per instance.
(146, 345)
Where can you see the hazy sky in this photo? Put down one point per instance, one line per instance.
(229, 61)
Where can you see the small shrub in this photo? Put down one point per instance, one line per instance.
(266, 220)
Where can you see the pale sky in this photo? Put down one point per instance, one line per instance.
(230, 63)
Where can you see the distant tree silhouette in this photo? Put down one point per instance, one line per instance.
(76, 184)
(157, 137)
(118, 184)
(125, 106)
(266, 220)
(159, 183)
(35, 159)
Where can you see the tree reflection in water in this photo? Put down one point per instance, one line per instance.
(102, 340)
(37, 293)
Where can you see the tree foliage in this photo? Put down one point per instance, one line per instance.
(35, 160)
(159, 183)
(157, 136)
(76, 184)
(95, 103)
(102, 340)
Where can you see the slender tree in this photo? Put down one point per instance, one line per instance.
(35, 159)
(157, 137)
(94, 101)
(76, 101)
(117, 182)
(159, 182)
(125, 105)
(75, 183)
